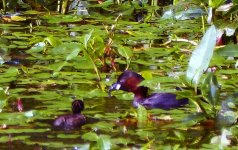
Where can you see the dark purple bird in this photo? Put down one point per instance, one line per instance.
(76, 119)
(128, 81)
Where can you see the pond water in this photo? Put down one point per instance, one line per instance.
(43, 71)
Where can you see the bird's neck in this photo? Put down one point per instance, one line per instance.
(140, 93)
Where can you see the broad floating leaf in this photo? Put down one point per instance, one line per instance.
(67, 50)
(103, 125)
(67, 136)
(18, 18)
(9, 75)
(90, 136)
(61, 18)
(3, 99)
(38, 47)
(201, 56)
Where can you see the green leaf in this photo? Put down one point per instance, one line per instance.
(73, 54)
(5, 139)
(215, 3)
(179, 135)
(201, 56)
(53, 41)
(55, 19)
(87, 37)
(98, 45)
(141, 115)
(95, 93)
(67, 136)
(235, 1)
(155, 82)
(38, 47)
(144, 134)
(121, 140)
(90, 136)
(28, 130)
(9, 75)
(228, 50)
(56, 67)
(124, 51)
(147, 74)
(69, 50)
(104, 142)
(103, 125)
(211, 89)
(3, 99)
(90, 60)
(12, 72)
(159, 51)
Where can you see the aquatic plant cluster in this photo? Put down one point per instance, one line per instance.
(118, 74)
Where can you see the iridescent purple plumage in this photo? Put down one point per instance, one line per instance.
(129, 81)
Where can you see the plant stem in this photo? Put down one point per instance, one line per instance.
(92, 62)
(4, 6)
(64, 6)
(203, 25)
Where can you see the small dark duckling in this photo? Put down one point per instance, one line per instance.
(129, 81)
(76, 119)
